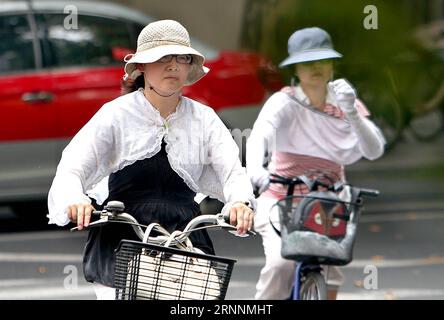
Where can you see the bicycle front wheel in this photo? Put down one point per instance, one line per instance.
(314, 287)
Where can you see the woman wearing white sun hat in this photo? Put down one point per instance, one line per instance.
(152, 149)
(316, 125)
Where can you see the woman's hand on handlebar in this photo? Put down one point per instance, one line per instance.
(241, 216)
(80, 214)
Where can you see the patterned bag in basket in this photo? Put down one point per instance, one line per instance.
(163, 276)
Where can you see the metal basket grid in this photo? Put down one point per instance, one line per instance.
(151, 272)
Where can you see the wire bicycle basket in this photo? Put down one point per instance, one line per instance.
(146, 271)
(318, 228)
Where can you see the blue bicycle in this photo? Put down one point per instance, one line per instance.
(317, 228)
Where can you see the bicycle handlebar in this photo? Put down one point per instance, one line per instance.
(113, 213)
(312, 184)
(369, 192)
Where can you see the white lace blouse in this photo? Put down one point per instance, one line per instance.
(200, 150)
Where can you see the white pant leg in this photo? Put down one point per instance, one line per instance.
(104, 292)
(276, 277)
(334, 275)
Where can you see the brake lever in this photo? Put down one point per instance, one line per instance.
(338, 186)
(221, 222)
(234, 232)
(91, 225)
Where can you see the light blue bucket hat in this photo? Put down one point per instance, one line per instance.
(309, 44)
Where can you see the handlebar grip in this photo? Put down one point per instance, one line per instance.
(369, 192)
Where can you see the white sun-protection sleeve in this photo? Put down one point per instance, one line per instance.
(258, 144)
(371, 139)
(262, 140)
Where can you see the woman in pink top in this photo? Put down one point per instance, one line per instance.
(317, 125)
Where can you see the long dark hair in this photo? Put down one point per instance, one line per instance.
(128, 86)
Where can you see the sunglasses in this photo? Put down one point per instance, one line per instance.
(180, 58)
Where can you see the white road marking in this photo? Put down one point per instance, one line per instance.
(40, 257)
(234, 284)
(403, 206)
(249, 262)
(358, 263)
(83, 291)
(57, 293)
(41, 235)
(38, 290)
(23, 282)
(391, 294)
(241, 261)
(402, 217)
(397, 263)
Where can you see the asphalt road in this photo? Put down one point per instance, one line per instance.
(400, 236)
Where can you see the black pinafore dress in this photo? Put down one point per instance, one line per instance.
(152, 192)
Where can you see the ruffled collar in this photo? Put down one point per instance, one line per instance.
(144, 102)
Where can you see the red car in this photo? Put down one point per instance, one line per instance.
(60, 62)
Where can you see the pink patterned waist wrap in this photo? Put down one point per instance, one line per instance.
(292, 165)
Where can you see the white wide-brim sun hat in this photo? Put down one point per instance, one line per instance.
(162, 38)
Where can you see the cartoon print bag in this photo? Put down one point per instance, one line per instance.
(316, 229)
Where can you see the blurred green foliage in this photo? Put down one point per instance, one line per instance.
(393, 73)
(269, 23)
